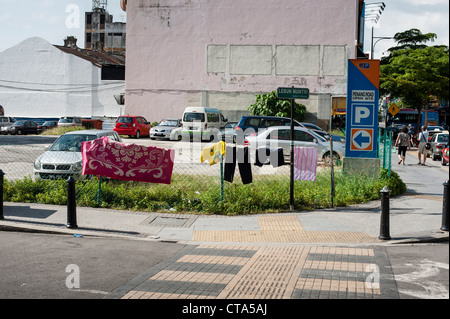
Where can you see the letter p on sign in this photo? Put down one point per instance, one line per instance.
(363, 115)
(361, 112)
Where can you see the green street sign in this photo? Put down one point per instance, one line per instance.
(293, 93)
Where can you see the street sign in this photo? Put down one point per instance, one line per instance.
(393, 109)
(362, 108)
(293, 93)
(362, 140)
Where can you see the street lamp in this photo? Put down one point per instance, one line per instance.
(373, 13)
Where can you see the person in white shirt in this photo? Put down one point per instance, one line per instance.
(423, 139)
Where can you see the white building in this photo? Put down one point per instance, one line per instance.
(41, 80)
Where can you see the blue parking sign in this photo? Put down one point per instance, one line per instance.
(362, 108)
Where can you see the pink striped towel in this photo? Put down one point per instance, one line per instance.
(305, 163)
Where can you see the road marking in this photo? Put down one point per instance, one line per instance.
(424, 270)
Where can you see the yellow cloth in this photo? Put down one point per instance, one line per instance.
(212, 154)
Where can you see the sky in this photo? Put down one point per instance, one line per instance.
(54, 20)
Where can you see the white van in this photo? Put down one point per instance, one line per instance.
(202, 121)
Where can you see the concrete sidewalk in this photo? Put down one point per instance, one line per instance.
(416, 216)
(413, 218)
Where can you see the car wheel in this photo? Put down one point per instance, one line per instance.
(327, 158)
(19, 132)
(433, 156)
(138, 134)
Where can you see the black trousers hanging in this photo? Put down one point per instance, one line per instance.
(241, 156)
(273, 155)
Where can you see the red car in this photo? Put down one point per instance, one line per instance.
(132, 125)
(444, 156)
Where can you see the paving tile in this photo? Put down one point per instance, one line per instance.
(268, 272)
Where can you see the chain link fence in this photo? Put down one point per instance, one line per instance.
(195, 186)
(385, 149)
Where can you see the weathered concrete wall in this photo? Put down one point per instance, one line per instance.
(177, 49)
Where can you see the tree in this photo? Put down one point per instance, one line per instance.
(269, 104)
(414, 72)
(409, 39)
(416, 76)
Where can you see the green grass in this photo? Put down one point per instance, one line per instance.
(63, 129)
(191, 194)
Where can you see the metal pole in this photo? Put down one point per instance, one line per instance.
(221, 178)
(292, 156)
(71, 204)
(384, 225)
(1, 194)
(332, 172)
(445, 208)
(99, 192)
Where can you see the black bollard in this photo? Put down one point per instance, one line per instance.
(1, 194)
(384, 225)
(445, 208)
(71, 204)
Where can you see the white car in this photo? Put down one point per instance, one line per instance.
(63, 158)
(168, 129)
(280, 136)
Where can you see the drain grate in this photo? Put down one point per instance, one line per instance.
(169, 221)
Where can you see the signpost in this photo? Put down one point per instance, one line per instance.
(362, 108)
(292, 94)
(361, 149)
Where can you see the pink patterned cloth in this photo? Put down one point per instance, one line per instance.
(130, 162)
(305, 163)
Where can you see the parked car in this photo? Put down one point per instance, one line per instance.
(444, 155)
(168, 129)
(47, 125)
(63, 158)
(227, 132)
(433, 130)
(438, 142)
(5, 122)
(22, 127)
(69, 121)
(132, 125)
(280, 136)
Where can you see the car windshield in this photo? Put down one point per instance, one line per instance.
(124, 119)
(65, 121)
(442, 138)
(19, 123)
(71, 142)
(168, 123)
(191, 117)
(48, 123)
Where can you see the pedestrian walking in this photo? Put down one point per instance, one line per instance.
(423, 140)
(402, 143)
(411, 133)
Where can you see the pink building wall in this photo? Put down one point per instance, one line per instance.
(220, 53)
